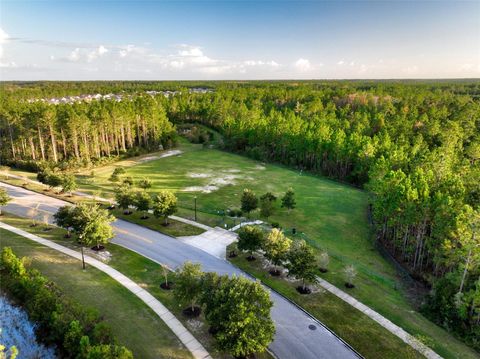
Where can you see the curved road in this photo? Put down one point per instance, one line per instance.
(294, 339)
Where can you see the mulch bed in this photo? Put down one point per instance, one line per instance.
(232, 254)
(349, 285)
(144, 217)
(323, 270)
(192, 314)
(98, 248)
(251, 258)
(167, 286)
(302, 290)
(275, 272)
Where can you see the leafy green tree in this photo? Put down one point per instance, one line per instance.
(164, 205)
(276, 247)
(250, 239)
(125, 197)
(4, 198)
(239, 312)
(288, 200)
(92, 224)
(117, 172)
(127, 181)
(301, 263)
(266, 207)
(64, 218)
(145, 183)
(143, 202)
(68, 184)
(249, 201)
(188, 285)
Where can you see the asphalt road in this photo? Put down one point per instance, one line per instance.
(294, 337)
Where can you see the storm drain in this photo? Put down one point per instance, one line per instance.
(312, 327)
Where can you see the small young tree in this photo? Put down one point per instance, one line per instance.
(4, 198)
(92, 224)
(64, 219)
(350, 273)
(125, 198)
(143, 202)
(250, 239)
(323, 261)
(188, 287)
(249, 201)
(164, 205)
(117, 172)
(288, 200)
(301, 264)
(53, 180)
(276, 247)
(266, 208)
(165, 272)
(145, 183)
(128, 181)
(238, 311)
(68, 184)
(33, 213)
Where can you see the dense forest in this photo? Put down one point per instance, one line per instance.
(414, 145)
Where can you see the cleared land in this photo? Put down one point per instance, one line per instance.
(329, 215)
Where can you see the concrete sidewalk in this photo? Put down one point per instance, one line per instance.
(214, 241)
(384, 322)
(197, 350)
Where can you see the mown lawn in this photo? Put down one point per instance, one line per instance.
(132, 322)
(174, 228)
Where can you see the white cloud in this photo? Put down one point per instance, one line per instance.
(74, 56)
(303, 65)
(4, 37)
(410, 70)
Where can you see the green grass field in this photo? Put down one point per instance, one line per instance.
(132, 322)
(329, 215)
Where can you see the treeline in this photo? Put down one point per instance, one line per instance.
(81, 133)
(75, 331)
(414, 146)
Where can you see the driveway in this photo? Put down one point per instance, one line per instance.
(298, 335)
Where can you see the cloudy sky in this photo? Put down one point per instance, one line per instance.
(157, 40)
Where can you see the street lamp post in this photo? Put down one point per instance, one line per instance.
(83, 259)
(195, 208)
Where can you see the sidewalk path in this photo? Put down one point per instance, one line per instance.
(214, 241)
(197, 350)
(384, 322)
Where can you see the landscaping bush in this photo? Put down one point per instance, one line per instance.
(60, 321)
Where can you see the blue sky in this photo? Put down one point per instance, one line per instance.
(88, 40)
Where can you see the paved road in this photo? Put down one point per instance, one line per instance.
(293, 340)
